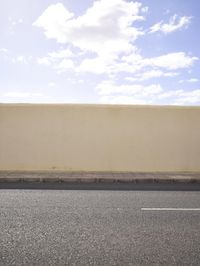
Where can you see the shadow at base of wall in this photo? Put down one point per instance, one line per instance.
(102, 186)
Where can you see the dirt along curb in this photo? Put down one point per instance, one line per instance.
(98, 177)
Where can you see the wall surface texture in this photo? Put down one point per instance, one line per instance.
(99, 138)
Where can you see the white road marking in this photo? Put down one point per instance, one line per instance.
(170, 209)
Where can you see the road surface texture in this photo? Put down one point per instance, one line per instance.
(99, 227)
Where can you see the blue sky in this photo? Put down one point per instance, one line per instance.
(106, 51)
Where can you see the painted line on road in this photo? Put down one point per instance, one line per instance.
(170, 209)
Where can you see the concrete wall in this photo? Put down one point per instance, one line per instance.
(99, 138)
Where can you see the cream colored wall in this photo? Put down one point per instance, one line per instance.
(99, 138)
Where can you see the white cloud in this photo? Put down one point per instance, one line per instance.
(55, 57)
(145, 9)
(63, 53)
(21, 59)
(10, 57)
(3, 50)
(59, 60)
(65, 64)
(175, 23)
(188, 97)
(178, 97)
(172, 61)
(60, 65)
(43, 61)
(13, 23)
(182, 97)
(110, 92)
(106, 35)
(121, 100)
(152, 74)
(106, 27)
(4, 54)
(53, 21)
(155, 73)
(51, 84)
(143, 68)
(160, 66)
(192, 80)
(130, 79)
(97, 65)
(109, 88)
(14, 94)
(21, 97)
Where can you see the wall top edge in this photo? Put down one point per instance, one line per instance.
(97, 105)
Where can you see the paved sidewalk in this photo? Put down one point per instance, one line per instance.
(98, 177)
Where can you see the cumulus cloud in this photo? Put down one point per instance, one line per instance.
(3, 50)
(4, 53)
(155, 73)
(65, 64)
(21, 97)
(105, 30)
(179, 97)
(63, 53)
(172, 61)
(13, 24)
(110, 88)
(191, 80)
(175, 23)
(10, 57)
(106, 34)
(191, 97)
(113, 93)
(105, 27)
(59, 60)
(16, 94)
(21, 59)
(51, 84)
(43, 61)
(53, 21)
(122, 99)
(142, 68)
(98, 65)
(167, 65)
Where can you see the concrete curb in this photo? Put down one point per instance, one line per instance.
(97, 177)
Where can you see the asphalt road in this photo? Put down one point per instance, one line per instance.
(99, 227)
